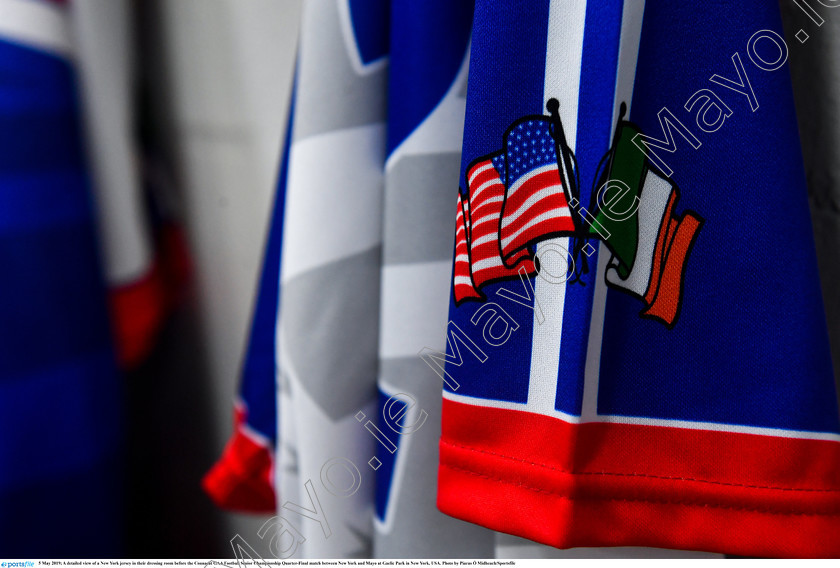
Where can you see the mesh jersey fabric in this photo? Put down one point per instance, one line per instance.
(676, 389)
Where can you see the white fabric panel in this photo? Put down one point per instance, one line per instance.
(407, 322)
(105, 62)
(349, 159)
(562, 82)
(652, 204)
(37, 24)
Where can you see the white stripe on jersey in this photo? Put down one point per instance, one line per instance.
(40, 25)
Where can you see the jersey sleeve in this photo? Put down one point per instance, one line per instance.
(664, 379)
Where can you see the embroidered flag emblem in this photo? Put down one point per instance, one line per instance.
(527, 193)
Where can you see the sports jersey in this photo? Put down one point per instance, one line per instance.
(426, 101)
(243, 478)
(360, 234)
(633, 352)
(60, 398)
(327, 331)
(314, 340)
(641, 357)
(103, 38)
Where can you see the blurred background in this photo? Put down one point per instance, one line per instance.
(219, 74)
(185, 103)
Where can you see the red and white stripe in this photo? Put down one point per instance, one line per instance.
(462, 277)
(487, 195)
(535, 207)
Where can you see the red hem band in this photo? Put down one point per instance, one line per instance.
(607, 484)
(242, 478)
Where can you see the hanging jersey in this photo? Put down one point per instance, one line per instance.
(59, 389)
(426, 101)
(664, 380)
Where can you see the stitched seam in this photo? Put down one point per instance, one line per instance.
(645, 475)
(654, 501)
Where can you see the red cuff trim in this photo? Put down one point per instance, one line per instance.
(137, 313)
(242, 478)
(601, 484)
(139, 309)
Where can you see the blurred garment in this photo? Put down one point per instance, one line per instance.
(60, 417)
(329, 280)
(426, 102)
(328, 215)
(144, 253)
(243, 478)
(816, 86)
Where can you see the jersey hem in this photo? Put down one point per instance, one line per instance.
(605, 484)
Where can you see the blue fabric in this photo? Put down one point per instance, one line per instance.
(60, 395)
(505, 46)
(369, 19)
(751, 346)
(428, 43)
(388, 461)
(258, 385)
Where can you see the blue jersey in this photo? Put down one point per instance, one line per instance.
(59, 389)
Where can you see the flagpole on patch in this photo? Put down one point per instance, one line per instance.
(564, 152)
(568, 175)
